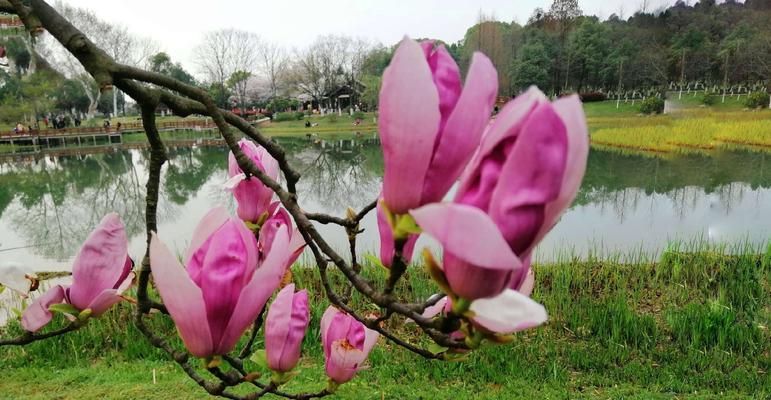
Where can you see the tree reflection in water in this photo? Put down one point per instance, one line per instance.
(56, 201)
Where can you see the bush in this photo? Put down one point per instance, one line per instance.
(757, 100)
(707, 100)
(589, 97)
(332, 118)
(652, 105)
(358, 115)
(288, 116)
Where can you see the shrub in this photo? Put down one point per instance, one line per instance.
(288, 116)
(358, 115)
(757, 100)
(707, 99)
(332, 118)
(652, 105)
(589, 97)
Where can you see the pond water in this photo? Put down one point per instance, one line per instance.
(628, 203)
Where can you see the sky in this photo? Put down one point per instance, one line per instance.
(178, 25)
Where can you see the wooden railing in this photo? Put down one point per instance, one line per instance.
(124, 128)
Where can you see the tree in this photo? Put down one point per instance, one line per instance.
(532, 65)
(238, 84)
(273, 61)
(587, 51)
(114, 39)
(322, 67)
(224, 52)
(498, 40)
(563, 14)
(161, 63)
(127, 49)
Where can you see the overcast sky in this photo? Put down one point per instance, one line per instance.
(177, 25)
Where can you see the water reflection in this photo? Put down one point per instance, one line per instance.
(626, 202)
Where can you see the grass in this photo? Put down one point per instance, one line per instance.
(692, 324)
(329, 126)
(692, 128)
(687, 131)
(167, 136)
(608, 108)
(694, 100)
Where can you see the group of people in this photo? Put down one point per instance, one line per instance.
(61, 121)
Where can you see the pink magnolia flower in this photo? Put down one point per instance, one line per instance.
(528, 170)
(429, 124)
(224, 285)
(281, 219)
(285, 326)
(100, 274)
(477, 260)
(507, 313)
(387, 240)
(346, 342)
(252, 196)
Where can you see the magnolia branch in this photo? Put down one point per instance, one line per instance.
(193, 100)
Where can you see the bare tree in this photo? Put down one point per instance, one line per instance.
(116, 40)
(323, 66)
(273, 61)
(224, 52)
(128, 49)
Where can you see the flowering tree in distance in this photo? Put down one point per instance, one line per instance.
(517, 175)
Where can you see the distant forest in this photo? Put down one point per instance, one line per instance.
(562, 50)
(646, 51)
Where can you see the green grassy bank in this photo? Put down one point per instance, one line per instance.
(691, 324)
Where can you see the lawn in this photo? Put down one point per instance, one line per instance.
(685, 131)
(690, 128)
(690, 324)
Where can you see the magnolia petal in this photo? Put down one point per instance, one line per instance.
(296, 247)
(343, 327)
(530, 178)
(256, 293)
(437, 308)
(526, 288)
(344, 361)
(100, 263)
(16, 277)
(370, 340)
(571, 111)
(251, 247)
(233, 182)
(386, 236)
(37, 315)
(506, 126)
(210, 223)
(387, 240)
(269, 164)
(408, 125)
(326, 319)
(182, 298)
(446, 75)
(285, 326)
(109, 297)
(468, 233)
(224, 273)
(463, 131)
(277, 325)
(509, 312)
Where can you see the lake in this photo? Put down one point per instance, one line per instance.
(627, 204)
